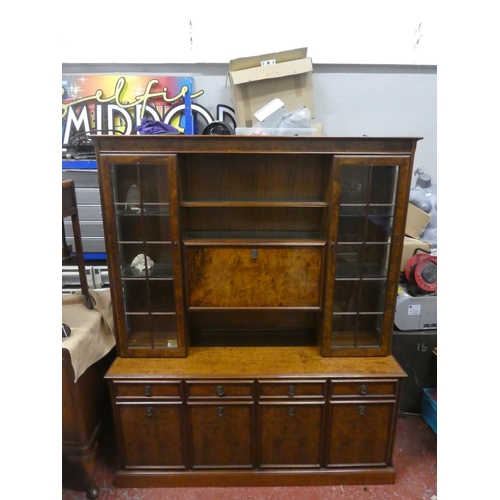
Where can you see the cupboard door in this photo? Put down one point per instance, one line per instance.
(221, 435)
(365, 251)
(152, 434)
(144, 254)
(255, 276)
(360, 433)
(291, 434)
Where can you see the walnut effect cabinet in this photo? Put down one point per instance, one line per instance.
(256, 350)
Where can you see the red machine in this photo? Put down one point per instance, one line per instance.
(421, 271)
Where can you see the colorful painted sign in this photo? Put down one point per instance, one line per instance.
(107, 103)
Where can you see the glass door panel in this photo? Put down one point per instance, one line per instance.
(357, 260)
(361, 249)
(141, 197)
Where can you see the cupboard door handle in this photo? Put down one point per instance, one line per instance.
(291, 390)
(361, 410)
(363, 390)
(254, 253)
(220, 411)
(149, 411)
(147, 390)
(291, 411)
(220, 391)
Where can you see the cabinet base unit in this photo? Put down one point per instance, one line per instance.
(255, 416)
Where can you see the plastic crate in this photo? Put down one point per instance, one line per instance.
(428, 409)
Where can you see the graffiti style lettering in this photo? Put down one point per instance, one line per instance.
(124, 109)
(143, 98)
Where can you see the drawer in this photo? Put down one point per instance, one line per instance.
(219, 389)
(254, 276)
(147, 389)
(363, 388)
(292, 389)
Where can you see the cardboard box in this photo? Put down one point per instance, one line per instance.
(416, 221)
(409, 246)
(257, 80)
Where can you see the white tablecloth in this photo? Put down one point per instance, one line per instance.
(92, 330)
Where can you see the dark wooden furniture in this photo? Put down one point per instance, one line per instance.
(70, 209)
(84, 406)
(85, 401)
(257, 348)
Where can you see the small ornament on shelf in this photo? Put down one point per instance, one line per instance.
(141, 262)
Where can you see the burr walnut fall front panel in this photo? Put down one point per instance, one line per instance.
(254, 276)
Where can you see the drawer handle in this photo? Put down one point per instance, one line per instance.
(361, 410)
(149, 411)
(291, 411)
(220, 411)
(220, 391)
(291, 390)
(363, 390)
(147, 390)
(254, 253)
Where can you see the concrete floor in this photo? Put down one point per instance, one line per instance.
(414, 458)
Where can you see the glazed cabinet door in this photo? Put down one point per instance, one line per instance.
(369, 202)
(142, 228)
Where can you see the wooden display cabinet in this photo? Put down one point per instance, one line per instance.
(256, 349)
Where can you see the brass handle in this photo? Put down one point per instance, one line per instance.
(361, 410)
(254, 253)
(147, 390)
(291, 390)
(220, 411)
(363, 390)
(220, 391)
(149, 411)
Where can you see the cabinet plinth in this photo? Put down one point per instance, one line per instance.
(254, 282)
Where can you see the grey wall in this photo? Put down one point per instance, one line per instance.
(380, 101)
(350, 100)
